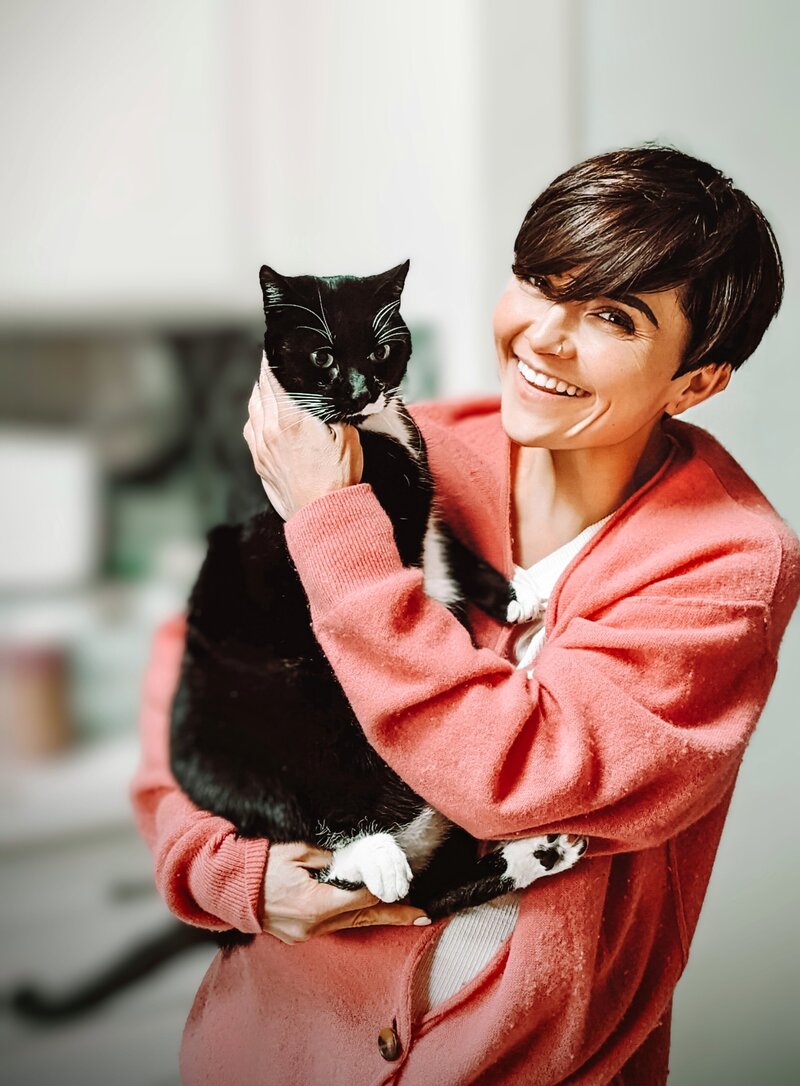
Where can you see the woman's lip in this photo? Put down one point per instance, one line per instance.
(535, 391)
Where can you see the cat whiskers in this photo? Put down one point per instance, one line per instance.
(291, 426)
(324, 330)
(384, 315)
(392, 332)
(318, 331)
(323, 317)
(316, 403)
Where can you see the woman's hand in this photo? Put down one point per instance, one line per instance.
(297, 907)
(298, 457)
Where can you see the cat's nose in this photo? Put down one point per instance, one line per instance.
(360, 394)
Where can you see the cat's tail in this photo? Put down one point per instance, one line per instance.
(145, 957)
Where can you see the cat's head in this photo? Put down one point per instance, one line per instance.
(337, 345)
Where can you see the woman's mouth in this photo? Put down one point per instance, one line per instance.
(546, 383)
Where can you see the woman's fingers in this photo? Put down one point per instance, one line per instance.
(298, 457)
(333, 900)
(278, 409)
(397, 915)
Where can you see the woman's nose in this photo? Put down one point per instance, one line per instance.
(549, 331)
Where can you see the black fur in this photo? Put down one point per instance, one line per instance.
(262, 732)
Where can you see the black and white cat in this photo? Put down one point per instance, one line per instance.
(262, 733)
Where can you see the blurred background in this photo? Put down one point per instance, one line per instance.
(155, 155)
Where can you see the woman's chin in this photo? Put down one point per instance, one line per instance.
(521, 425)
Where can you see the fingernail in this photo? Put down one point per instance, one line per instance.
(421, 921)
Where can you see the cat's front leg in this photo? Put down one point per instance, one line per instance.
(475, 580)
(375, 861)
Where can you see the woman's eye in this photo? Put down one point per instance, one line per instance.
(533, 284)
(618, 319)
(380, 353)
(322, 358)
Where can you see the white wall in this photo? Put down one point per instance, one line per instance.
(115, 195)
(720, 80)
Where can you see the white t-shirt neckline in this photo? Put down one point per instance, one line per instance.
(540, 579)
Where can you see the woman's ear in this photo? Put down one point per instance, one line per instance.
(692, 388)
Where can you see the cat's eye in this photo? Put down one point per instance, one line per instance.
(322, 358)
(381, 353)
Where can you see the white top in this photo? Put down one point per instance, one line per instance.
(471, 938)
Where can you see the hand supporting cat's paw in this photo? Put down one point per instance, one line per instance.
(531, 858)
(377, 861)
(526, 605)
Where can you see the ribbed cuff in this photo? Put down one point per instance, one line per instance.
(340, 542)
(232, 885)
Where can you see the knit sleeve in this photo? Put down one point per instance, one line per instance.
(630, 729)
(207, 875)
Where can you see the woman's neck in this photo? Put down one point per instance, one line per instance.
(556, 493)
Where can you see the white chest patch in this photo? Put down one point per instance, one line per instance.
(437, 577)
(376, 407)
(391, 422)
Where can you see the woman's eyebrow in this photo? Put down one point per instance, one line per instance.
(636, 303)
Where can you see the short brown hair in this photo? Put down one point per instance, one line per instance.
(651, 218)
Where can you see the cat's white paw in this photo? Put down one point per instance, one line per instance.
(531, 858)
(378, 862)
(528, 604)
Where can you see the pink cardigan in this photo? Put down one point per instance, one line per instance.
(662, 638)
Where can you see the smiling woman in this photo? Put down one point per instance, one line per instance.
(643, 556)
(585, 385)
(642, 279)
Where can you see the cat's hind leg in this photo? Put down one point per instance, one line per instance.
(511, 865)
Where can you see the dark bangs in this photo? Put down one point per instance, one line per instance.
(651, 218)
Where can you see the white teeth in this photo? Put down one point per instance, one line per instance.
(543, 381)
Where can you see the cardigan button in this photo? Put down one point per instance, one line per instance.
(389, 1044)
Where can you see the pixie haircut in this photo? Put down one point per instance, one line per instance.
(651, 218)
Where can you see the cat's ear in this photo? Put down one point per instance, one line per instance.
(393, 281)
(273, 286)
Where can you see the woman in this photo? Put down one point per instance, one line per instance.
(661, 581)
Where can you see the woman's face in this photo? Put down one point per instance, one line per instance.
(613, 361)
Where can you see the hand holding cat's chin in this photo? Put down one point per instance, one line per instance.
(298, 457)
